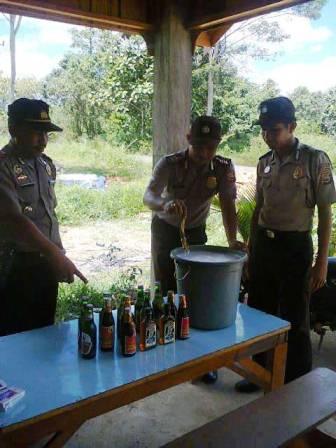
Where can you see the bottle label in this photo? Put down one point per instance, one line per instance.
(185, 327)
(150, 338)
(107, 337)
(169, 332)
(86, 344)
(130, 344)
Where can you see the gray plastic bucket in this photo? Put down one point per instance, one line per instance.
(210, 278)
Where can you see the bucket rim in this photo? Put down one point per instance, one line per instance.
(175, 255)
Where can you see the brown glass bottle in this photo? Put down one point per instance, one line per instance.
(147, 331)
(107, 328)
(171, 301)
(182, 321)
(167, 326)
(128, 333)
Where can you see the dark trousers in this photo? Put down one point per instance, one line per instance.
(279, 275)
(165, 238)
(28, 295)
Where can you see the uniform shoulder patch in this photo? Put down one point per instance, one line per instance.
(175, 158)
(265, 155)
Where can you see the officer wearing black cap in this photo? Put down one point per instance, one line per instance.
(31, 258)
(292, 179)
(184, 183)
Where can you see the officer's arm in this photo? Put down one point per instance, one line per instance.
(153, 194)
(17, 228)
(255, 216)
(325, 195)
(229, 216)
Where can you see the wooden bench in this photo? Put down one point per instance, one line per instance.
(273, 420)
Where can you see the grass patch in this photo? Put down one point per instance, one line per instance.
(77, 205)
(97, 157)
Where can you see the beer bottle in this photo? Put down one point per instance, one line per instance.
(84, 302)
(107, 329)
(146, 304)
(147, 331)
(138, 306)
(128, 333)
(171, 301)
(167, 326)
(120, 313)
(182, 322)
(88, 344)
(158, 303)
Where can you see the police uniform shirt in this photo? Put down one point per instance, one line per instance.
(176, 177)
(290, 189)
(30, 182)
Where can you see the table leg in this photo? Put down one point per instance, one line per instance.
(61, 437)
(276, 362)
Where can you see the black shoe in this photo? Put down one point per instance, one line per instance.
(210, 377)
(246, 387)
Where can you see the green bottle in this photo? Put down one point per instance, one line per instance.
(158, 303)
(138, 306)
(84, 302)
(88, 345)
(146, 304)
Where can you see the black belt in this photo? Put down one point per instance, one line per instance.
(277, 234)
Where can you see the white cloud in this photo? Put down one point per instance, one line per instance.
(32, 55)
(316, 48)
(315, 76)
(300, 31)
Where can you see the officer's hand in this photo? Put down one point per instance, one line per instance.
(64, 268)
(237, 245)
(318, 275)
(176, 207)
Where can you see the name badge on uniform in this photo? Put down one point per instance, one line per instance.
(267, 169)
(298, 172)
(211, 182)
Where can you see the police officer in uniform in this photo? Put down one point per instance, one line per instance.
(292, 178)
(184, 183)
(32, 261)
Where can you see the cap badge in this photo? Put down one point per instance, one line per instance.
(264, 110)
(205, 130)
(267, 169)
(44, 115)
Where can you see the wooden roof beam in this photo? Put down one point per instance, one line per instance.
(238, 13)
(53, 11)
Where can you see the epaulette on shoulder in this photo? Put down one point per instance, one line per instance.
(174, 158)
(3, 155)
(223, 160)
(265, 155)
(47, 158)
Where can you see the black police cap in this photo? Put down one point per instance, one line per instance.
(33, 113)
(205, 127)
(276, 110)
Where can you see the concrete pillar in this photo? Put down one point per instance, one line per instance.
(172, 81)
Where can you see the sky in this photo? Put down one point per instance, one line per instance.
(308, 56)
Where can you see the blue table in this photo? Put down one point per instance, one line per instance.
(63, 390)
